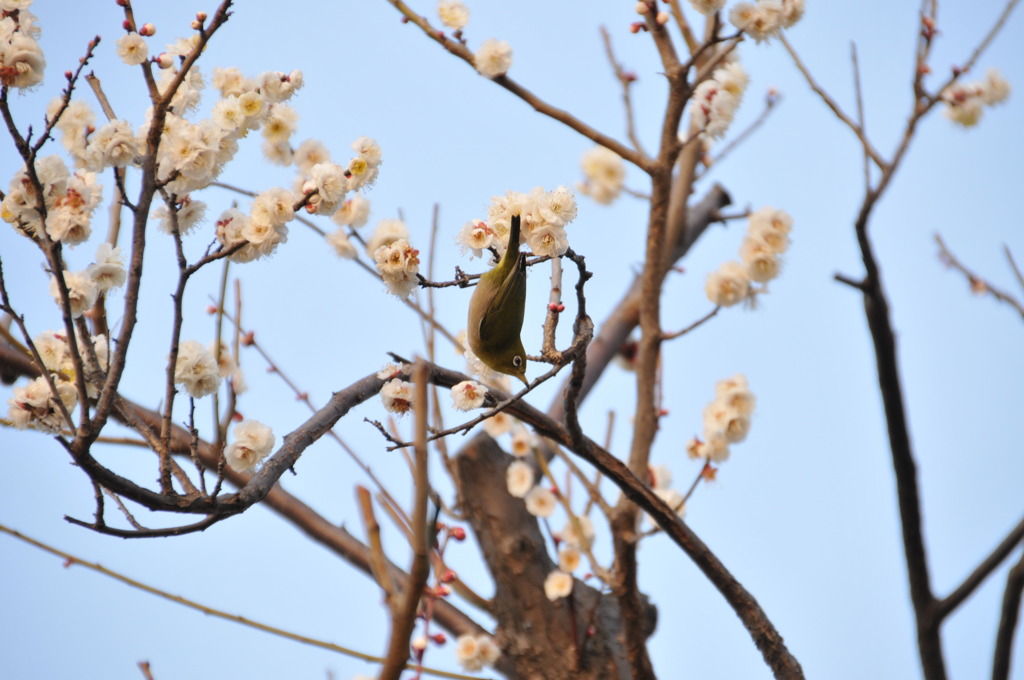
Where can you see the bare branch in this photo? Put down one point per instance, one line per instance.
(977, 283)
(831, 103)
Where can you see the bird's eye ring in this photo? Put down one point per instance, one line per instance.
(517, 361)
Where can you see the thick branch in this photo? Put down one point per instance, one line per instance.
(1009, 615)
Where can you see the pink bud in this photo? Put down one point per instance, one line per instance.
(662, 18)
(200, 16)
(126, 25)
(147, 30)
(196, 24)
(448, 576)
(439, 638)
(164, 60)
(457, 533)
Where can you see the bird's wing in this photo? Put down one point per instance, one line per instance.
(508, 300)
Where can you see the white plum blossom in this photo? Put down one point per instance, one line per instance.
(568, 559)
(965, 102)
(309, 153)
(280, 123)
(498, 424)
(577, 532)
(605, 173)
(519, 479)
(494, 58)
(543, 218)
(328, 179)
(196, 370)
(523, 443)
(252, 443)
(467, 653)
(70, 214)
(488, 651)
(21, 59)
(132, 49)
(454, 14)
(558, 585)
(187, 212)
(707, 7)
(82, 291)
(765, 19)
(35, 404)
(540, 501)
(397, 396)
(52, 348)
(342, 244)
(108, 269)
(729, 285)
(386, 233)
(279, 87)
(468, 395)
(113, 145)
(474, 237)
(369, 150)
(398, 265)
(726, 420)
(353, 213)
(715, 100)
(231, 81)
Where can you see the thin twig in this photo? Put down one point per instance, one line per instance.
(72, 560)
(831, 103)
(977, 283)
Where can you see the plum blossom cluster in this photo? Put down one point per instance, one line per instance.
(577, 535)
(715, 100)
(605, 173)
(493, 59)
(965, 102)
(541, 501)
(68, 200)
(260, 232)
(397, 261)
(252, 443)
(21, 59)
(196, 369)
(765, 19)
(544, 216)
(35, 403)
(760, 259)
(726, 420)
(398, 264)
(474, 652)
(84, 287)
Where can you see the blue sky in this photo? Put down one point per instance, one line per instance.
(804, 513)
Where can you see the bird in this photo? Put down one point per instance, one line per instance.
(496, 311)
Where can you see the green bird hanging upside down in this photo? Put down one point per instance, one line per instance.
(496, 311)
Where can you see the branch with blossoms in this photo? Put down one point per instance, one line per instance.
(964, 104)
